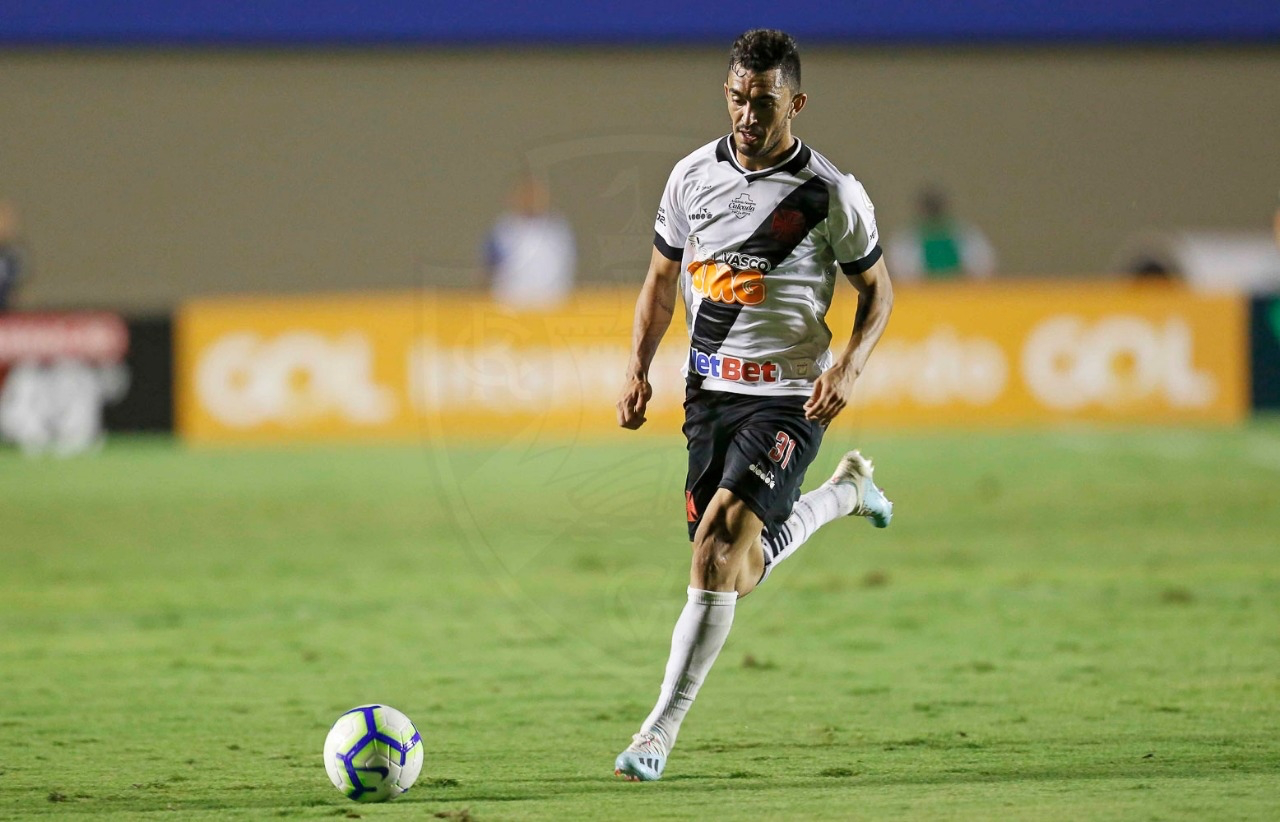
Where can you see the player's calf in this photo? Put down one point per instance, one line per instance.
(699, 635)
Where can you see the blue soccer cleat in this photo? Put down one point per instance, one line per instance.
(643, 760)
(870, 501)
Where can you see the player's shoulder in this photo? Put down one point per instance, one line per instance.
(843, 182)
(847, 192)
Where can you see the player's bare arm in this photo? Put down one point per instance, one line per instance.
(834, 387)
(654, 310)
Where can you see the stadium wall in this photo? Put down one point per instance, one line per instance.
(148, 177)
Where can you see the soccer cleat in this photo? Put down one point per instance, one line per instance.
(869, 501)
(643, 760)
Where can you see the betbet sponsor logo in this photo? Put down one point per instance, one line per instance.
(724, 367)
(1069, 363)
(244, 379)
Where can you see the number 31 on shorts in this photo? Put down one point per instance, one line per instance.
(782, 447)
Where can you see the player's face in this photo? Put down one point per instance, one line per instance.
(761, 108)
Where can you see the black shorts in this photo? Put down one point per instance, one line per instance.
(757, 447)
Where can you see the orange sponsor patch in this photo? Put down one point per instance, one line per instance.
(723, 283)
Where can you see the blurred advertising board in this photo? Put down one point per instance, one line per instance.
(1264, 352)
(58, 371)
(1085, 351)
(416, 364)
(147, 405)
(427, 365)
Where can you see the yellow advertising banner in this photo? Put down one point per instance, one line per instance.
(429, 364)
(978, 355)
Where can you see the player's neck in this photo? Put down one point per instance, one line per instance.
(785, 146)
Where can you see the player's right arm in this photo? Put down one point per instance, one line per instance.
(654, 310)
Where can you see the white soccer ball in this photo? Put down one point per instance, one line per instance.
(373, 753)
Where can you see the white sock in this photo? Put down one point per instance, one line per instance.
(812, 511)
(700, 633)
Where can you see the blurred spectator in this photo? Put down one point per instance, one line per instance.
(1151, 269)
(1209, 260)
(530, 254)
(10, 258)
(939, 246)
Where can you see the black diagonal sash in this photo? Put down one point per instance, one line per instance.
(774, 239)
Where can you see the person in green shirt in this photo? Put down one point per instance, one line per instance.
(938, 246)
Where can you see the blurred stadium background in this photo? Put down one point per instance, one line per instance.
(254, 225)
(160, 153)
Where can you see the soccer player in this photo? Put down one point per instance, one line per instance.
(751, 229)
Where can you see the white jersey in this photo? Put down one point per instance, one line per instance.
(760, 251)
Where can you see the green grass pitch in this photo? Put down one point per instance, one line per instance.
(1076, 624)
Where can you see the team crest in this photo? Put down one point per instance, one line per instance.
(742, 206)
(788, 226)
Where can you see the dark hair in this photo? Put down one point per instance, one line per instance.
(766, 49)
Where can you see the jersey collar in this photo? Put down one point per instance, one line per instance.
(797, 159)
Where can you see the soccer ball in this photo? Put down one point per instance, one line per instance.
(373, 753)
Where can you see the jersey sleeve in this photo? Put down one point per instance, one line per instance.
(670, 227)
(854, 236)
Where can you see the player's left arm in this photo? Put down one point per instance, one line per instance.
(834, 387)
